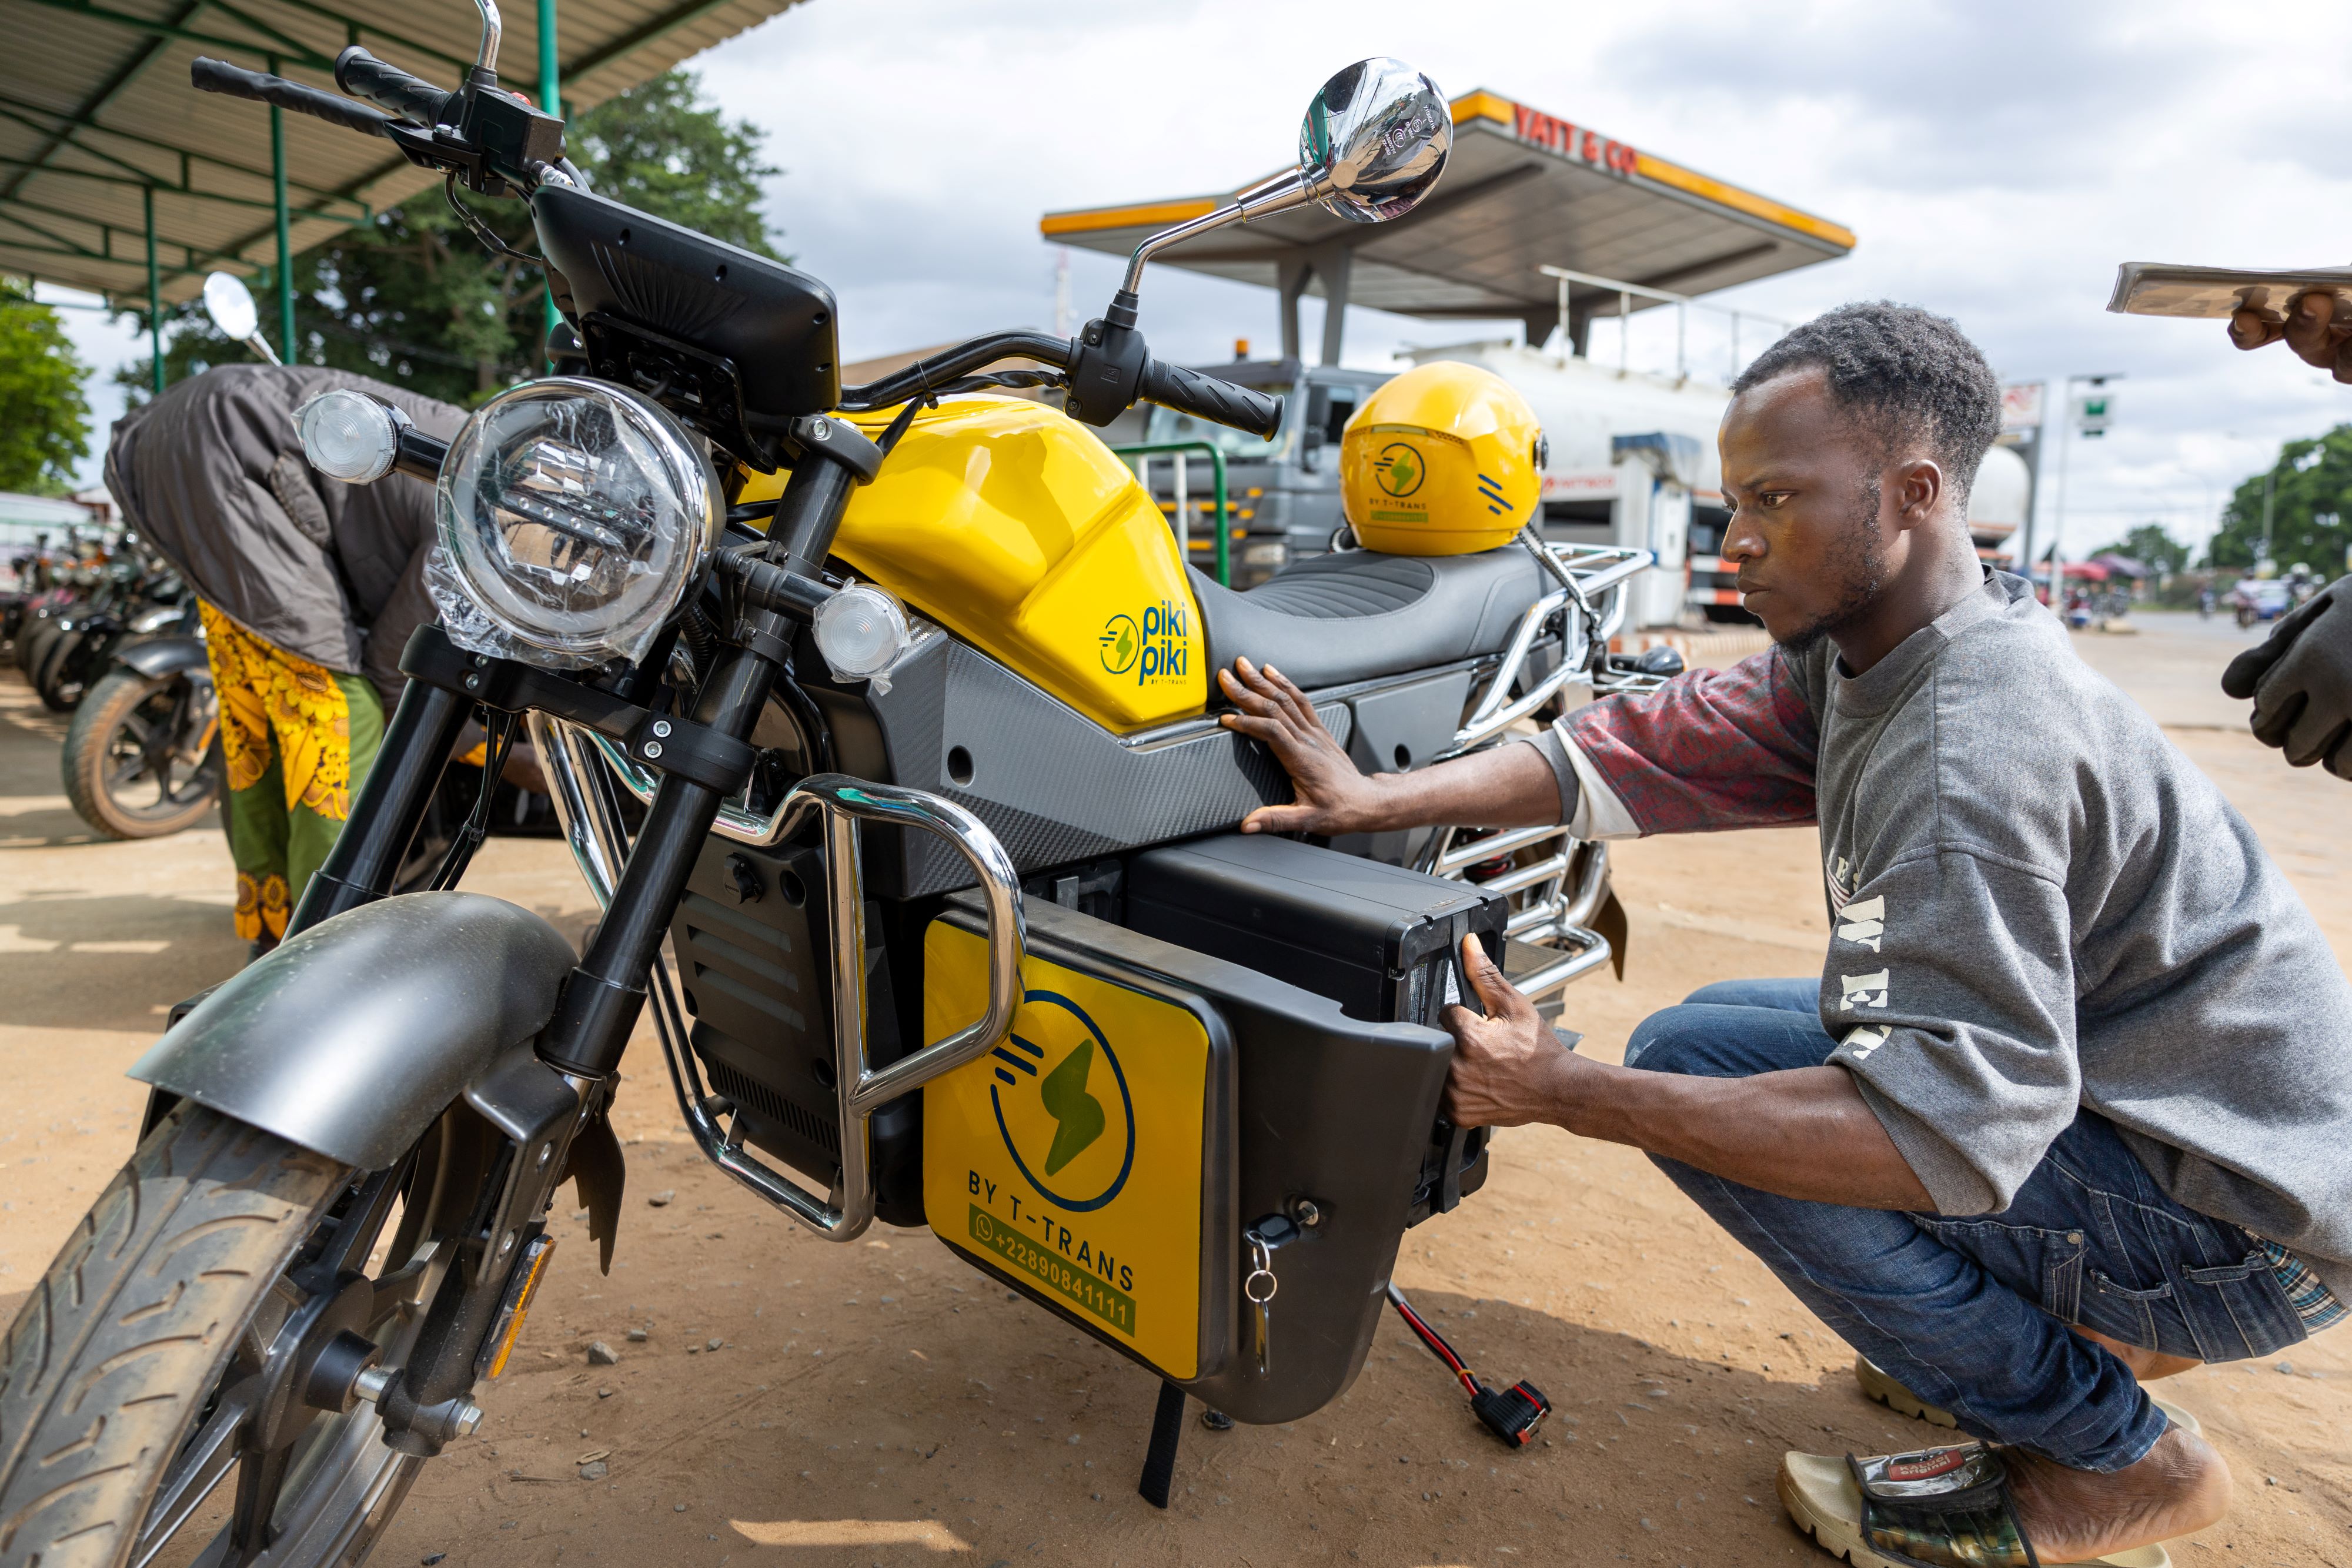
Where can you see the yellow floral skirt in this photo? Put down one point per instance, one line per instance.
(299, 739)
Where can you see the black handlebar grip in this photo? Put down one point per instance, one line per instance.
(218, 76)
(1206, 397)
(390, 89)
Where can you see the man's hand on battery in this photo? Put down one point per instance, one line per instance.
(2317, 328)
(1510, 1068)
(2301, 680)
(1329, 795)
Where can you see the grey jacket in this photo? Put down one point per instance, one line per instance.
(2038, 906)
(212, 474)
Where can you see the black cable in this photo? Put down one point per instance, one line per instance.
(897, 427)
(483, 231)
(1433, 1339)
(501, 731)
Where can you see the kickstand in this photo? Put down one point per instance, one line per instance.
(1159, 1460)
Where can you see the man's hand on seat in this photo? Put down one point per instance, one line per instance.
(1331, 796)
(1504, 786)
(2317, 328)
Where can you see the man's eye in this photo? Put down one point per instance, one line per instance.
(1773, 500)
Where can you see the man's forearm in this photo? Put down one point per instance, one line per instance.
(1503, 787)
(1803, 1133)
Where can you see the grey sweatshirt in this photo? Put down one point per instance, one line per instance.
(2037, 904)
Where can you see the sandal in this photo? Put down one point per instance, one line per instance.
(1877, 1385)
(1937, 1507)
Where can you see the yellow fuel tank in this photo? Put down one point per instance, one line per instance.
(1008, 523)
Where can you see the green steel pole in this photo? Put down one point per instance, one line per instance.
(285, 239)
(155, 295)
(551, 99)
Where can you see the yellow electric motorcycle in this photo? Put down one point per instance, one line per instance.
(886, 711)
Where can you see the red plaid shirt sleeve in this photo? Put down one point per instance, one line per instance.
(1711, 749)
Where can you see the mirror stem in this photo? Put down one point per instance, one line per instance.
(486, 58)
(1278, 195)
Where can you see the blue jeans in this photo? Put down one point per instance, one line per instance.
(1971, 1314)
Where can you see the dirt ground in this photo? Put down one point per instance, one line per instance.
(801, 1402)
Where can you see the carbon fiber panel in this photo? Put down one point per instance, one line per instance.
(1052, 784)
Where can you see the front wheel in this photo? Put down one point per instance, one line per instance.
(152, 1363)
(140, 759)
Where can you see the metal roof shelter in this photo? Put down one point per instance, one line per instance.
(1523, 190)
(117, 176)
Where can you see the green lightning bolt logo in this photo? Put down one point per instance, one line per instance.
(1078, 1114)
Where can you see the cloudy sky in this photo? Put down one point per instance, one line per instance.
(1997, 159)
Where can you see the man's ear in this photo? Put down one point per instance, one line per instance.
(1919, 488)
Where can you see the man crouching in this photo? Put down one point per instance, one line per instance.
(2070, 1106)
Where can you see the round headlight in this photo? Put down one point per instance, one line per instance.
(572, 515)
(349, 435)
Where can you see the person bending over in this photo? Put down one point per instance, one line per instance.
(307, 589)
(2070, 1105)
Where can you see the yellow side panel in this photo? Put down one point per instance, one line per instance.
(1008, 523)
(1069, 1156)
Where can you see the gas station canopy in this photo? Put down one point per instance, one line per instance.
(1523, 190)
(117, 176)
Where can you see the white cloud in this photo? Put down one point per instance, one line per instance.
(1997, 159)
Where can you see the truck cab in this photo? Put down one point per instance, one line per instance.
(1284, 493)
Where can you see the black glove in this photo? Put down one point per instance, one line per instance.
(2300, 681)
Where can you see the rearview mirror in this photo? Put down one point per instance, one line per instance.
(1374, 141)
(230, 305)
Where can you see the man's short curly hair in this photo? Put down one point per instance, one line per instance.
(1903, 373)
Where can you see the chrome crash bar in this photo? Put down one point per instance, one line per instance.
(589, 811)
(1600, 573)
(1552, 915)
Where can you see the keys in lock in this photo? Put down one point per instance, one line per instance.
(1260, 1284)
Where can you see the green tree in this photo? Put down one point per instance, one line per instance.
(2152, 547)
(416, 299)
(2310, 505)
(44, 418)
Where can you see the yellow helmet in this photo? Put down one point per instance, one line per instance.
(1446, 459)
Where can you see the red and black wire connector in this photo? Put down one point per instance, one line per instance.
(1512, 1413)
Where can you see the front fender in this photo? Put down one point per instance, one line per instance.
(157, 658)
(351, 1038)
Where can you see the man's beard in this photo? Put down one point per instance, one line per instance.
(1862, 564)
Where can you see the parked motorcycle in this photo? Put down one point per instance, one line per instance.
(143, 757)
(135, 594)
(936, 824)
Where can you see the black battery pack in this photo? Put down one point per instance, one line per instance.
(753, 963)
(1382, 941)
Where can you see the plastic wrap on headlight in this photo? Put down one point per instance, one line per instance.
(572, 515)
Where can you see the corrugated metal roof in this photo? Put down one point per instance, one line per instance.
(95, 110)
(1522, 190)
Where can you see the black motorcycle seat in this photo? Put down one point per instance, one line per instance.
(1356, 614)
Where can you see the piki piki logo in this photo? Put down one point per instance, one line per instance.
(1157, 646)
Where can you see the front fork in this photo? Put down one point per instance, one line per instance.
(548, 1099)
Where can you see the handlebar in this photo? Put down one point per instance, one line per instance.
(218, 76)
(962, 360)
(390, 89)
(505, 144)
(1206, 397)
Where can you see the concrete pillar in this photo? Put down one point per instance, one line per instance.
(1332, 266)
(1290, 280)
